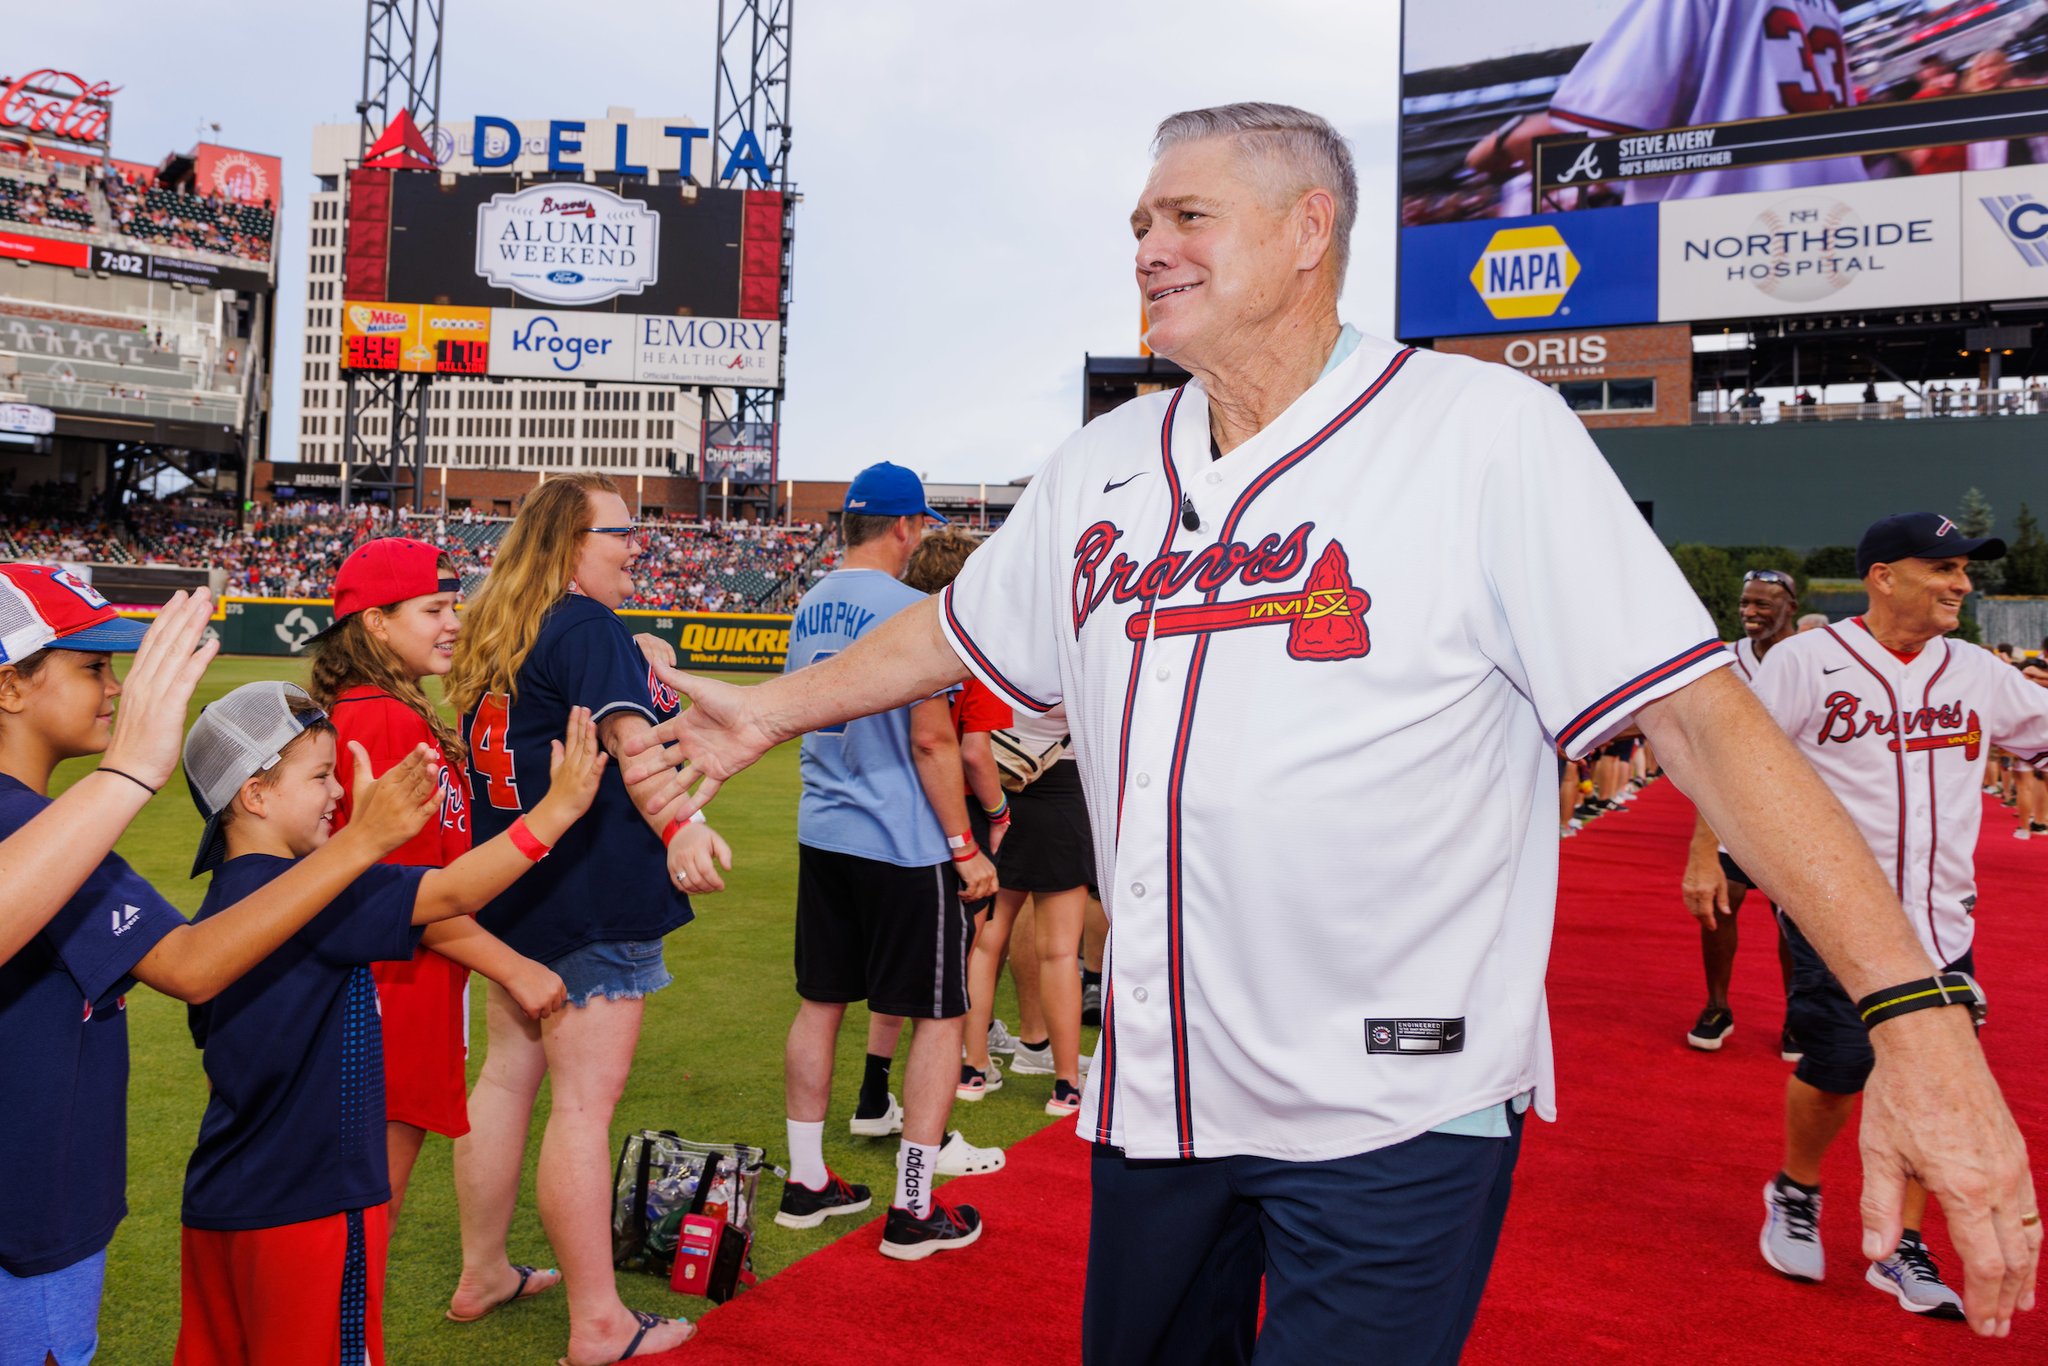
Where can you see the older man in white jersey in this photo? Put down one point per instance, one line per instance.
(1283, 604)
(1899, 721)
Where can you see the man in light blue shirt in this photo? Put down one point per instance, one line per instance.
(885, 866)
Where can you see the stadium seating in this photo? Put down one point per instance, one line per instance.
(293, 550)
(155, 216)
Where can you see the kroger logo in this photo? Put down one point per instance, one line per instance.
(2024, 221)
(1525, 272)
(543, 337)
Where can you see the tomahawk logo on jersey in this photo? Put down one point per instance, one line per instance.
(1903, 744)
(1667, 64)
(1278, 712)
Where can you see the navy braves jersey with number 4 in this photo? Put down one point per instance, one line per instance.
(1316, 736)
(1679, 63)
(607, 880)
(1903, 745)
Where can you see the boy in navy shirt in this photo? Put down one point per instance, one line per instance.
(64, 1078)
(286, 1193)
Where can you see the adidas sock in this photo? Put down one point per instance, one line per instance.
(807, 1153)
(874, 1087)
(914, 1174)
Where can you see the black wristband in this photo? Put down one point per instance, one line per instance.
(129, 776)
(1945, 989)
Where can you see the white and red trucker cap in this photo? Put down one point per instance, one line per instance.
(44, 608)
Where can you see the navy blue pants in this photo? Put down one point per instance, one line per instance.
(1376, 1258)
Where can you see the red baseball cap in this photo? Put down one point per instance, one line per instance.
(43, 608)
(387, 570)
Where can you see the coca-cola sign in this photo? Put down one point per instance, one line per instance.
(58, 105)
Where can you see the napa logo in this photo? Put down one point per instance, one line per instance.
(1525, 272)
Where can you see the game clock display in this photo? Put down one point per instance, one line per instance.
(361, 352)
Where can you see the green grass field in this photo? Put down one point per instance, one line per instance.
(709, 1067)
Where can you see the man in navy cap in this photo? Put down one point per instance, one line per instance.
(1898, 719)
(885, 867)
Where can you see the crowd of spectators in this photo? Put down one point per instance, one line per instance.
(196, 222)
(292, 550)
(44, 203)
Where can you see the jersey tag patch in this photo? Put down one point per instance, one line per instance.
(1415, 1036)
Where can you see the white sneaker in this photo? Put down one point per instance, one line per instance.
(999, 1039)
(2021, 833)
(960, 1158)
(889, 1122)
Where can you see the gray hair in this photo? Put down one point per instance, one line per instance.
(1291, 149)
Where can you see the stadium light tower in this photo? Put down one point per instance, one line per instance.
(401, 76)
(401, 67)
(751, 92)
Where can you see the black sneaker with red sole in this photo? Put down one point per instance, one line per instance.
(908, 1238)
(803, 1207)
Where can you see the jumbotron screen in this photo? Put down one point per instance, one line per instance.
(1604, 162)
(563, 279)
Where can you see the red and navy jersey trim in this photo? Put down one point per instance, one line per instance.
(988, 669)
(1933, 803)
(1183, 1095)
(1622, 697)
(1898, 761)
(1588, 121)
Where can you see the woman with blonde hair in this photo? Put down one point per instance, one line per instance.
(543, 636)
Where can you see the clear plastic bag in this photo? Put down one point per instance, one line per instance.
(656, 1183)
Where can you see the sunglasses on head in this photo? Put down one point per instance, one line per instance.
(1777, 576)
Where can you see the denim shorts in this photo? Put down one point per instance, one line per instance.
(55, 1314)
(618, 969)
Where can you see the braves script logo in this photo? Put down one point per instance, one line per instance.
(666, 699)
(1843, 724)
(571, 208)
(1325, 619)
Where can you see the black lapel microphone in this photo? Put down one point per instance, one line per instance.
(1188, 517)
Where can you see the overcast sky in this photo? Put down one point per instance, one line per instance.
(967, 168)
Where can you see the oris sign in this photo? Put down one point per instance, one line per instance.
(58, 106)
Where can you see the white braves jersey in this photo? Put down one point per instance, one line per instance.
(1903, 745)
(1316, 736)
(1680, 63)
(1747, 661)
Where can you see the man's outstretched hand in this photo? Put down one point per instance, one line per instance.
(1932, 1111)
(717, 736)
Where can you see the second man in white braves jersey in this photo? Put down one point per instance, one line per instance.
(1898, 719)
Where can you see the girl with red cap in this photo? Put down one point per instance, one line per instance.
(394, 626)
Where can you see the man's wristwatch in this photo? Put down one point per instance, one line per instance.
(1945, 989)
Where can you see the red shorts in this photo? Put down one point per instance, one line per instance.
(424, 1006)
(311, 1294)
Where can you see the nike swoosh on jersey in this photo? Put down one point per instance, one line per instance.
(1837, 669)
(1112, 488)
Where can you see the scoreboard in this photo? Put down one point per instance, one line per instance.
(420, 339)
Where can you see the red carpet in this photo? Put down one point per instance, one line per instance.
(1633, 1231)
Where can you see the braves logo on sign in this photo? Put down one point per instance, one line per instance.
(1325, 618)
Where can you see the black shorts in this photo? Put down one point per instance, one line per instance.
(1838, 1056)
(1619, 749)
(1733, 872)
(1049, 847)
(894, 937)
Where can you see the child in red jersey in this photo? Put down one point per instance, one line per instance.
(394, 626)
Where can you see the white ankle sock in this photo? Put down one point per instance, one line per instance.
(915, 1164)
(807, 1153)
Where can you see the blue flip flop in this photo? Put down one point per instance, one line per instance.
(519, 1292)
(648, 1323)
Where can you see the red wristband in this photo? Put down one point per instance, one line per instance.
(967, 852)
(674, 828)
(526, 842)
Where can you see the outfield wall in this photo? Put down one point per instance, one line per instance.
(703, 640)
